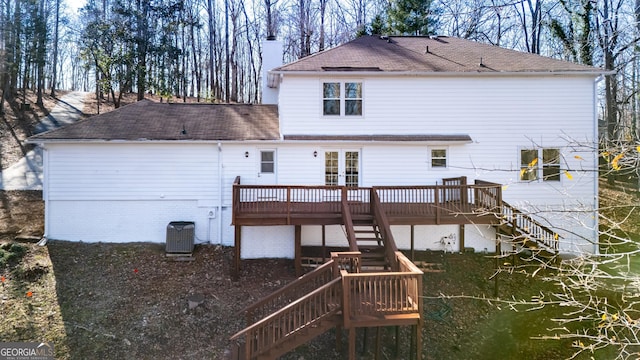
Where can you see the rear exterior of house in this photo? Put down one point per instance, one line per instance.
(374, 112)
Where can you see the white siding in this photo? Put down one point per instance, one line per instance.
(406, 105)
(267, 242)
(501, 115)
(126, 221)
(126, 171)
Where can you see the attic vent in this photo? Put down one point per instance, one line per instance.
(273, 80)
(351, 68)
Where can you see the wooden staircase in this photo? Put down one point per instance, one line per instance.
(291, 316)
(371, 246)
(523, 232)
(371, 285)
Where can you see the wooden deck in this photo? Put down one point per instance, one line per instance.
(344, 292)
(322, 205)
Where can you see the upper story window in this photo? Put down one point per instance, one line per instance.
(342, 98)
(538, 164)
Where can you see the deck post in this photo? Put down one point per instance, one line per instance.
(461, 237)
(324, 244)
(436, 203)
(397, 349)
(365, 335)
(418, 342)
(412, 343)
(413, 238)
(288, 205)
(236, 252)
(498, 251)
(378, 342)
(352, 343)
(298, 250)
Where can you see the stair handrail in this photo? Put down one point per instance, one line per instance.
(328, 296)
(348, 221)
(538, 232)
(288, 293)
(235, 195)
(381, 220)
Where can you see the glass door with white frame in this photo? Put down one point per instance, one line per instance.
(267, 167)
(342, 168)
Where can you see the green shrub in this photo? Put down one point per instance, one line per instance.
(11, 253)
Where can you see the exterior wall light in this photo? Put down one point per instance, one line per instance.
(315, 154)
(246, 154)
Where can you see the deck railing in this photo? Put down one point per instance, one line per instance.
(375, 295)
(416, 201)
(380, 218)
(291, 292)
(530, 228)
(348, 221)
(307, 311)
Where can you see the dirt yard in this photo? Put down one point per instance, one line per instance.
(117, 301)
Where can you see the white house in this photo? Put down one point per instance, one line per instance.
(377, 111)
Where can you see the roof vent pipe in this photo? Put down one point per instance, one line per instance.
(426, 50)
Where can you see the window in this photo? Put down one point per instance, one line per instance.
(550, 164)
(335, 102)
(331, 98)
(353, 99)
(530, 164)
(267, 162)
(438, 158)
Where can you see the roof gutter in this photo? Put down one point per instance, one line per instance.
(271, 141)
(442, 74)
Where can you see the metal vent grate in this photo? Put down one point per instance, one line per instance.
(180, 235)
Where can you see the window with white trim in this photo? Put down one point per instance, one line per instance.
(536, 164)
(267, 161)
(342, 98)
(439, 158)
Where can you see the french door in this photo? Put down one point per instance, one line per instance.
(342, 167)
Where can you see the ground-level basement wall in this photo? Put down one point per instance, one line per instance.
(426, 237)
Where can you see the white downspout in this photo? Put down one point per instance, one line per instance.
(596, 140)
(220, 193)
(45, 191)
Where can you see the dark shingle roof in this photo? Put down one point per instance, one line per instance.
(148, 120)
(431, 55)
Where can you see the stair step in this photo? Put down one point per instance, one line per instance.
(370, 257)
(378, 265)
(372, 232)
(364, 249)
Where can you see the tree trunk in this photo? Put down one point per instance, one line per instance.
(54, 70)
